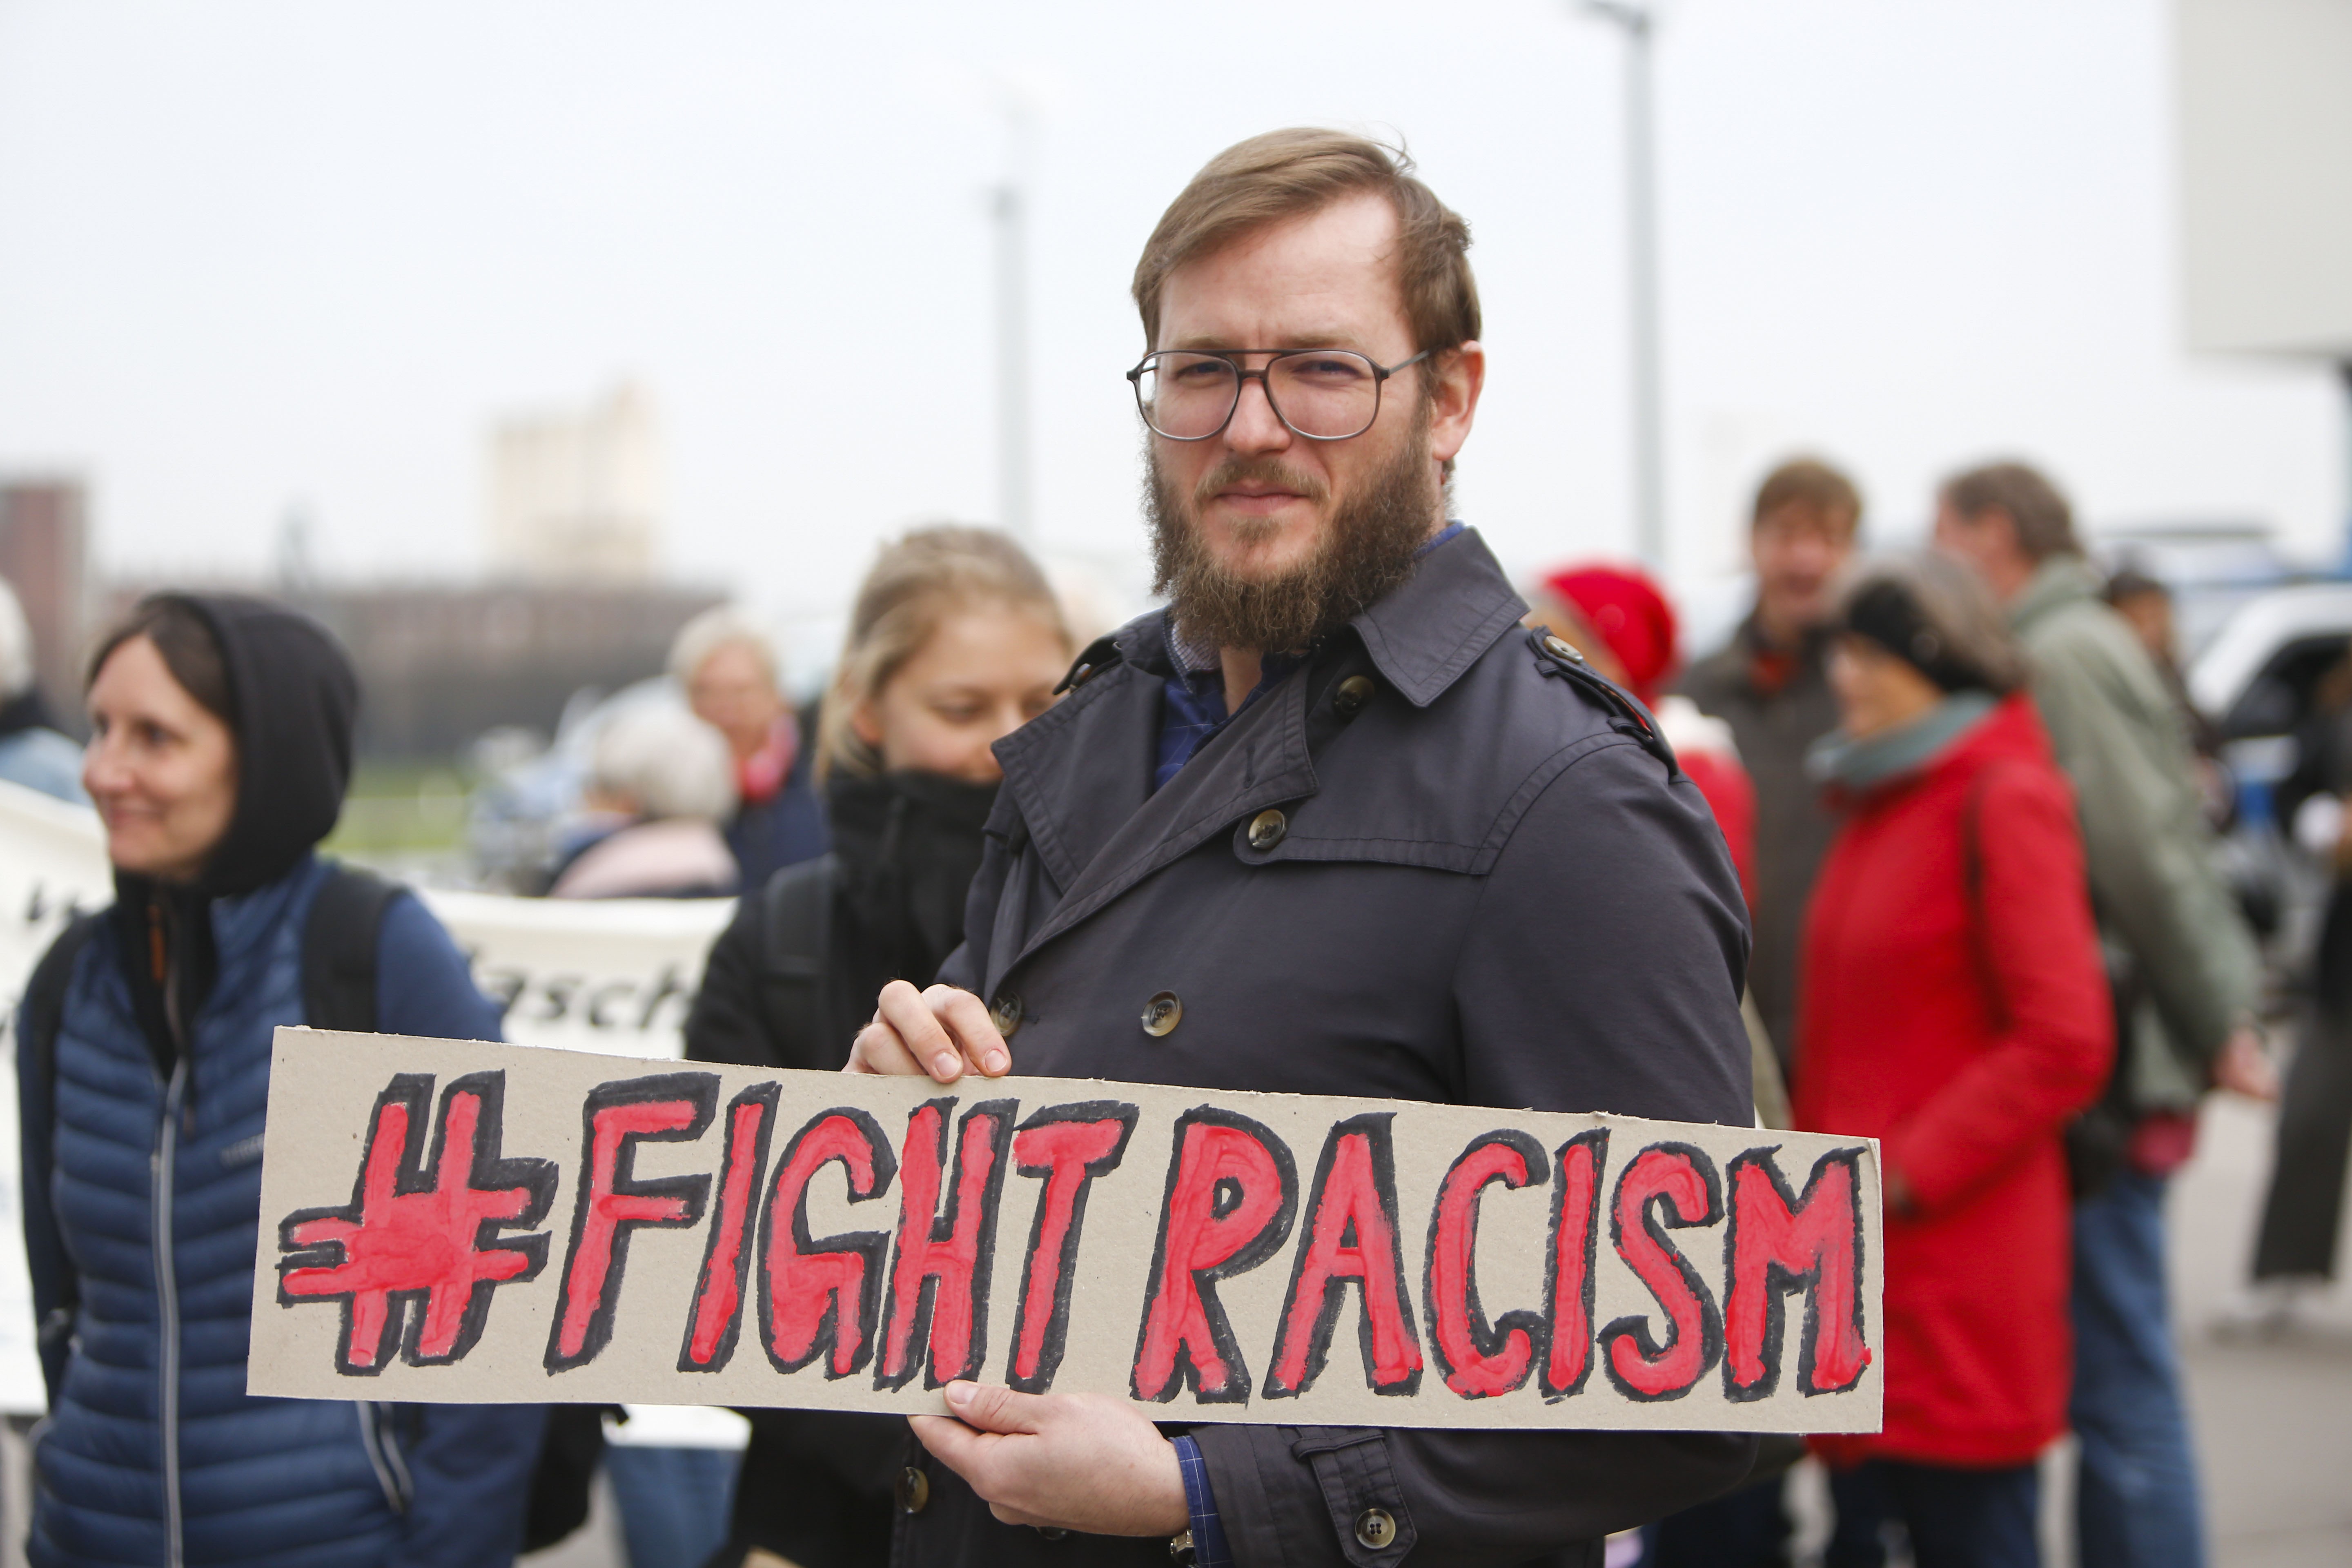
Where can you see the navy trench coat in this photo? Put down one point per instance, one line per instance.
(1488, 885)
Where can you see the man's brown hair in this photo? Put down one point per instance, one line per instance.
(2045, 523)
(1809, 482)
(1289, 174)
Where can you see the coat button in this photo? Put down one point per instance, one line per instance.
(1162, 1013)
(915, 1490)
(1006, 1012)
(1353, 694)
(1560, 647)
(1267, 828)
(1375, 1528)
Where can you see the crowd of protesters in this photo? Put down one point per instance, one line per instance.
(1956, 791)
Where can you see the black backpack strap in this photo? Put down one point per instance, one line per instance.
(339, 949)
(57, 1290)
(796, 960)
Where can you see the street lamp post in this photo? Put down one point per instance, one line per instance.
(1013, 496)
(1637, 20)
(1009, 215)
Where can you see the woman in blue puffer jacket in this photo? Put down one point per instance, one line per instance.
(221, 744)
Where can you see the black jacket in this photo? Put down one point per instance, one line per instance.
(1490, 887)
(1777, 708)
(789, 983)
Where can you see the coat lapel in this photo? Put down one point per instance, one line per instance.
(1259, 759)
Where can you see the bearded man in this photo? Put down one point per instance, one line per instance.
(1333, 823)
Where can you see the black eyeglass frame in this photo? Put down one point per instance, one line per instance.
(1241, 378)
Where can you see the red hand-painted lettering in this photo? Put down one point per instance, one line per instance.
(414, 1233)
(1478, 1359)
(939, 1280)
(819, 1296)
(666, 1108)
(1232, 1190)
(717, 1316)
(1575, 1233)
(1779, 1244)
(1668, 1185)
(1352, 1239)
(1069, 1146)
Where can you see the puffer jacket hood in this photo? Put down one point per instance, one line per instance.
(293, 696)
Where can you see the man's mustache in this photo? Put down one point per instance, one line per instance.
(1257, 470)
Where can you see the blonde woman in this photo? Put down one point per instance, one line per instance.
(956, 641)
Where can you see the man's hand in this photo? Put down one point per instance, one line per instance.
(1069, 1462)
(940, 1031)
(2244, 1068)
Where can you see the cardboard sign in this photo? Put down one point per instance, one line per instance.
(444, 1221)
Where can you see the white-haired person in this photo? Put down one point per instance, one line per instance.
(724, 662)
(33, 752)
(666, 780)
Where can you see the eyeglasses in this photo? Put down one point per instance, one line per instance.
(1324, 395)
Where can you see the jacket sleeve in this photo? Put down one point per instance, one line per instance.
(1601, 972)
(2150, 852)
(424, 985)
(2041, 955)
(724, 1024)
(967, 966)
(471, 1466)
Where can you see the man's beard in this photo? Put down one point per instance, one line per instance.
(1367, 551)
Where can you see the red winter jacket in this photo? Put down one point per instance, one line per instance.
(1954, 1006)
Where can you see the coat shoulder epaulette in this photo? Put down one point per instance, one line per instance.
(1099, 655)
(1558, 659)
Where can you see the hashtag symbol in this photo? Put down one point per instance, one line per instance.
(419, 1240)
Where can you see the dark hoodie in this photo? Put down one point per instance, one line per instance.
(905, 848)
(293, 697)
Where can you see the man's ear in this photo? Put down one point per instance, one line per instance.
(1455, 379)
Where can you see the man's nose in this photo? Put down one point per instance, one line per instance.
(1255, 426)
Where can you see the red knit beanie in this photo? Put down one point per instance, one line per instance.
(1626, 610)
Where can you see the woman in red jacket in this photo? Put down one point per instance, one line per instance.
(1953, 1006)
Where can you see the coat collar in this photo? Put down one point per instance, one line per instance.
(1435, 627)
(1080, 773)
(1422, 637)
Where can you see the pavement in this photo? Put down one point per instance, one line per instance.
(2273, 1414)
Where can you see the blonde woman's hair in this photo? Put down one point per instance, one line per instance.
(919, 580)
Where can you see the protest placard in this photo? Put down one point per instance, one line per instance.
(448, 1221)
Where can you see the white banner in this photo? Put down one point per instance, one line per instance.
(613, 977)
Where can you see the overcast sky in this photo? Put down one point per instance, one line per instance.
(256, 253)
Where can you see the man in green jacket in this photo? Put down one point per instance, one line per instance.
(2187, 979)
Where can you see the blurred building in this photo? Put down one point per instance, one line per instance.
(577, 495)
(441, 665)
(43, 554)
